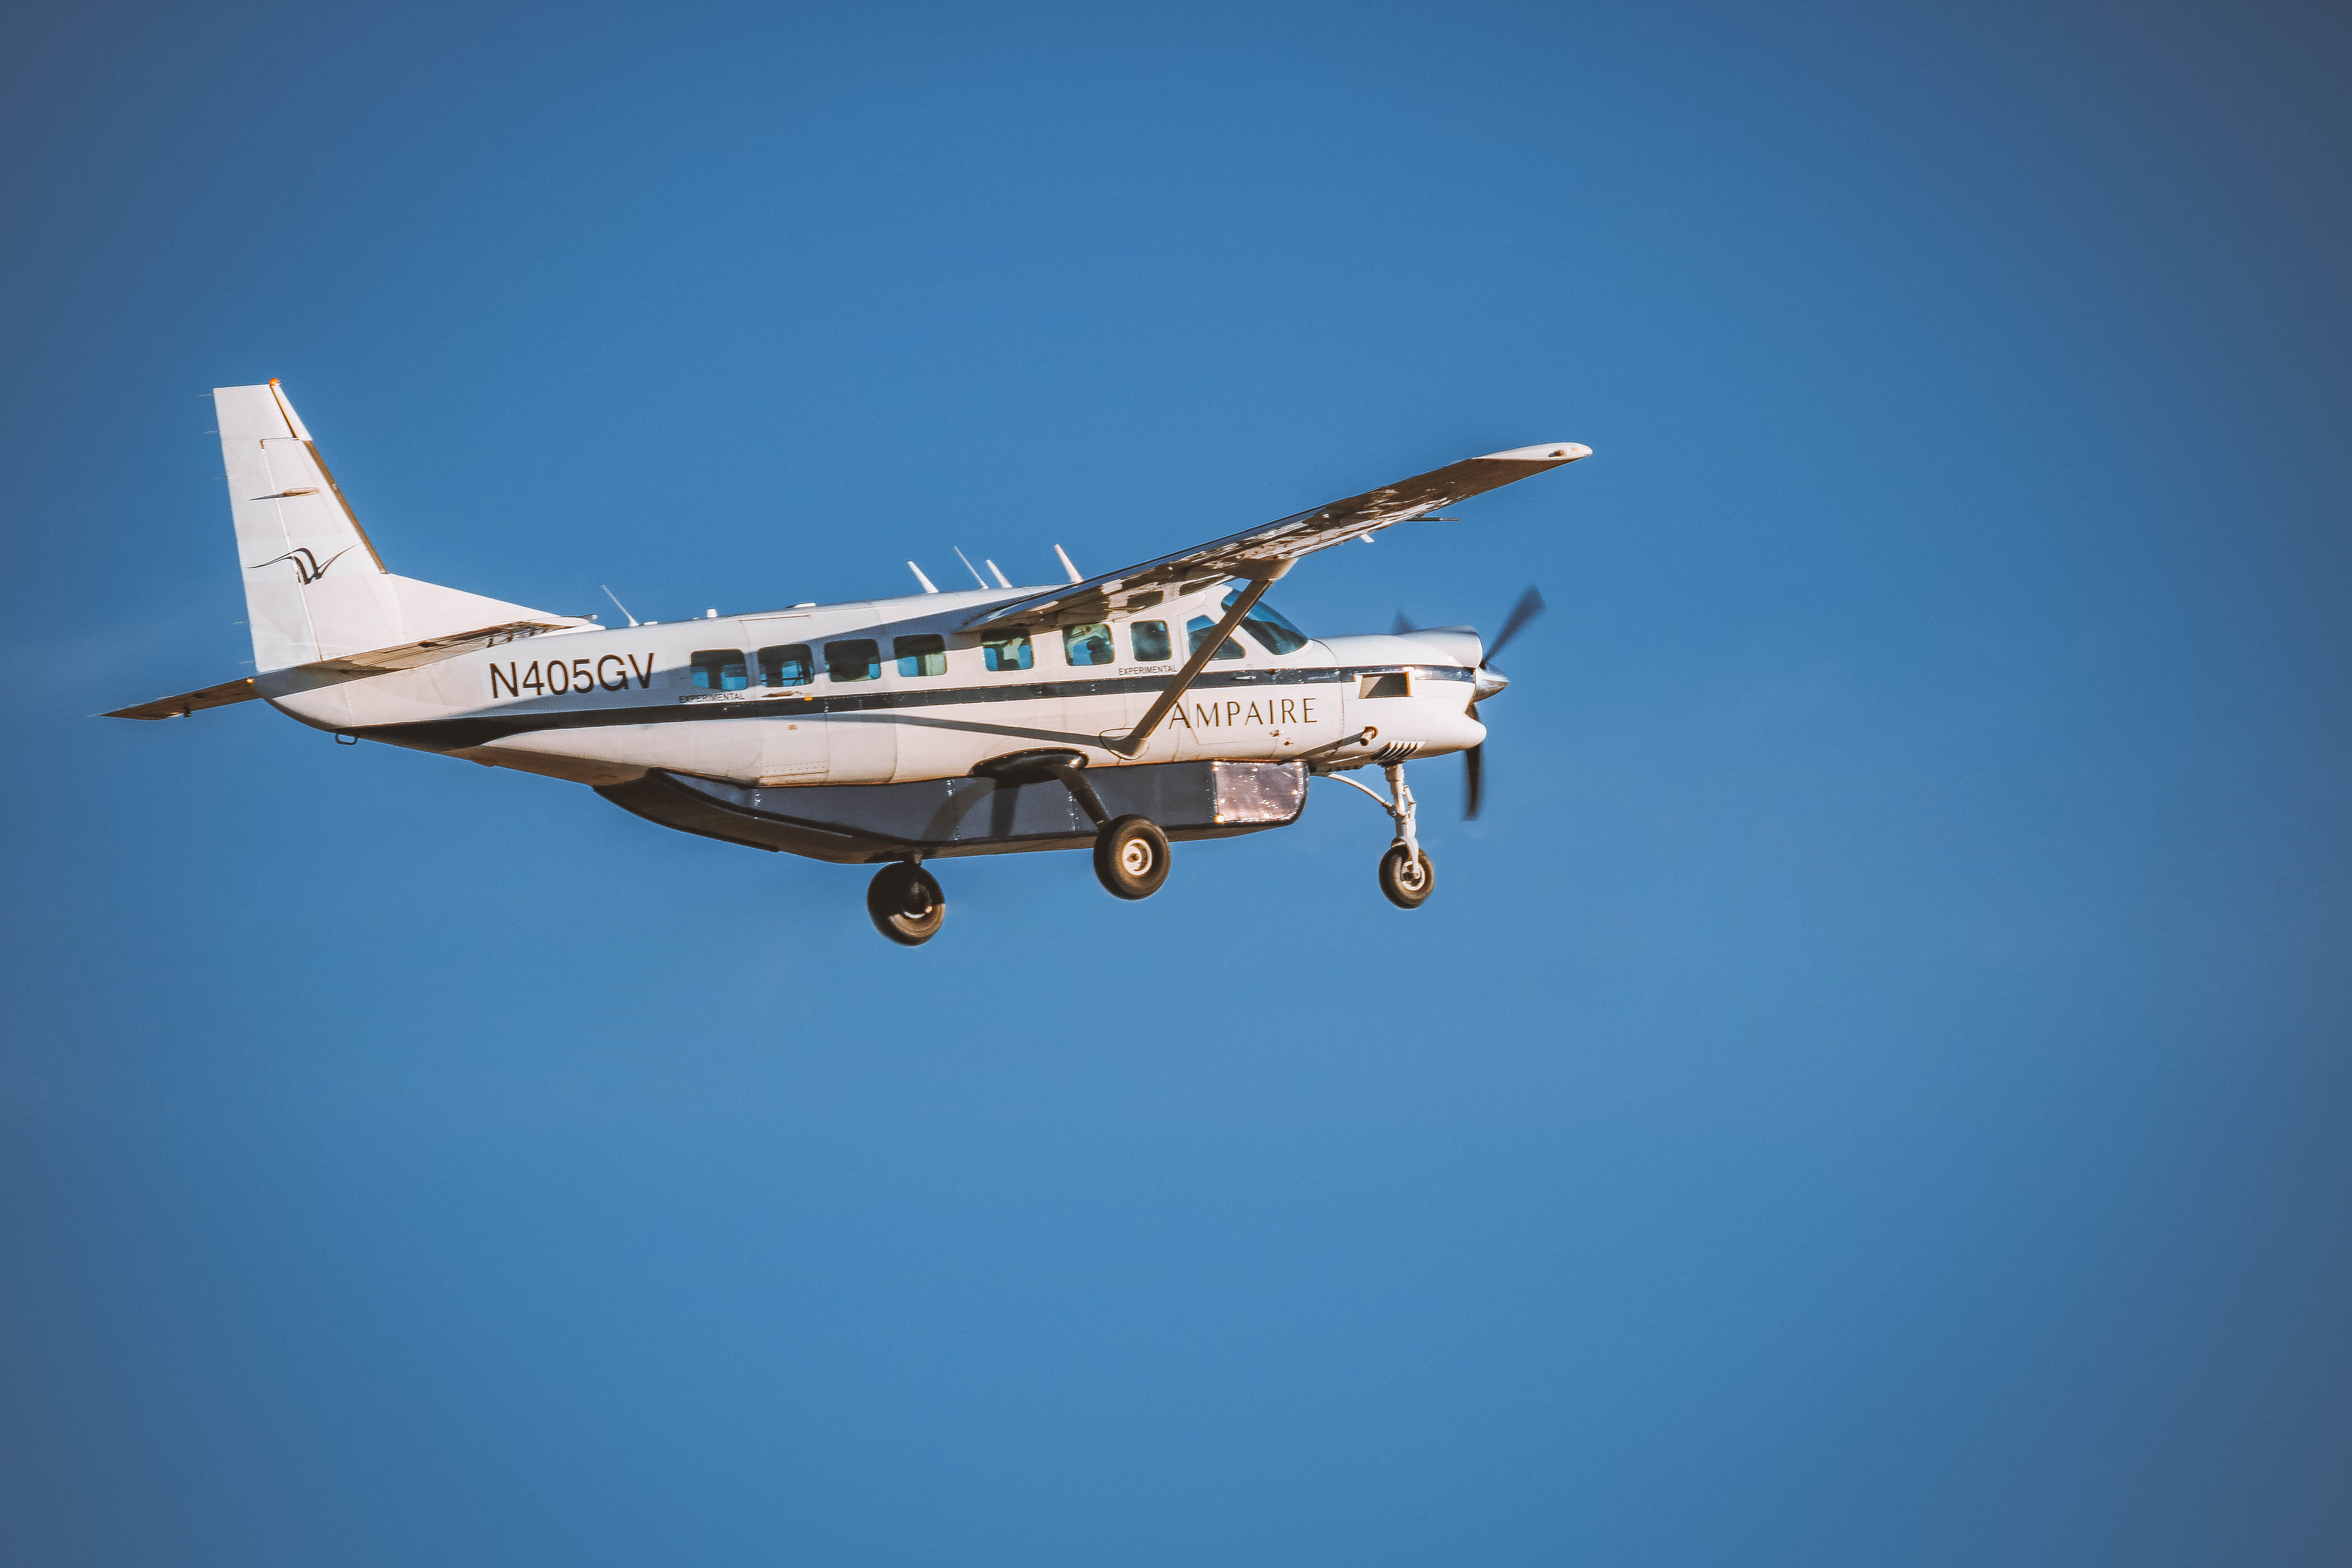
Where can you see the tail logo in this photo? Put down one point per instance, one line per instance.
(308, 568)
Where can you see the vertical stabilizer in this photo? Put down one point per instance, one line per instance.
(294, 529)
(314, 586)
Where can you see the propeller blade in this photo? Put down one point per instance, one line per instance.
(1402, 626)
(1473, 780)
(1530, 605)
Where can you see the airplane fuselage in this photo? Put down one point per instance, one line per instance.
(889, 690)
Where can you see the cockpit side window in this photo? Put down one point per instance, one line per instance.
(1196, 632)
(1149, 640)
(720, 670)
(1088, 645)
(1269, 626)
(926, 655)
(1007, 653)
(856, 659)
(788, 663)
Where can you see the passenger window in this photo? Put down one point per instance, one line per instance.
(720, 670)
(789, 665)
(920, 655)
(859, 659)
(1088, 645)
(1196, 632)
(1150, 639)
(1267, 624)
(1006, 653)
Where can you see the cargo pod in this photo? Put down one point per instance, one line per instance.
(944, 818)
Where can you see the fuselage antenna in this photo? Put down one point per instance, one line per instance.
(967, 565)
(926, 582)
(998, 572)
(618, 606)
(1065, 565)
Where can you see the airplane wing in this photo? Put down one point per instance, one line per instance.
(1282, 541)
(348, 666)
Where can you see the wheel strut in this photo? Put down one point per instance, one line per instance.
(1407, 878)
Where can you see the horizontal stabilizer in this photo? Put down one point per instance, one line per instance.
(408, 655)
(332, 671)
(188, 702)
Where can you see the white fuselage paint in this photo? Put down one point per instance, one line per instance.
(602, 706)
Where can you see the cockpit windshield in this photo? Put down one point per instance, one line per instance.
(1268, 626)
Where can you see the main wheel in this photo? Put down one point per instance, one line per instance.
(1406, 879)
(1132, 857)
(906, 903)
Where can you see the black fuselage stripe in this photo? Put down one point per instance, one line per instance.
(510, 722)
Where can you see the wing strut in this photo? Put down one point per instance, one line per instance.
(1132, 742)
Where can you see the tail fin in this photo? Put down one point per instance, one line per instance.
(314, 586)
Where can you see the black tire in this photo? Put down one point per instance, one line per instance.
(1405, 883)
(1132, 857)
(906, 903)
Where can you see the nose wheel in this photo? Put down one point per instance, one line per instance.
(906, 903)
(1407, 878)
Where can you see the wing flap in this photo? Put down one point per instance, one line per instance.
(1282, 541)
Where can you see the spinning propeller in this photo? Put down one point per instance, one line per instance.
(1487, 681)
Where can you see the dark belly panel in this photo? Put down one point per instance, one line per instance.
(938, 819)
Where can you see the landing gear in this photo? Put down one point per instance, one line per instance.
(1131, 852)
(906, 903)
(1407, 878)
(1132, 857)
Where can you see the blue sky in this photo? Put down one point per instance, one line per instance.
(1871, 1088)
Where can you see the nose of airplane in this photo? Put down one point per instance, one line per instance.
(1487, 682)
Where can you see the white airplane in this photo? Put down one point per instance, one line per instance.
(1164, 701)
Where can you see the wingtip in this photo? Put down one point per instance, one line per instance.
(1549, 452)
